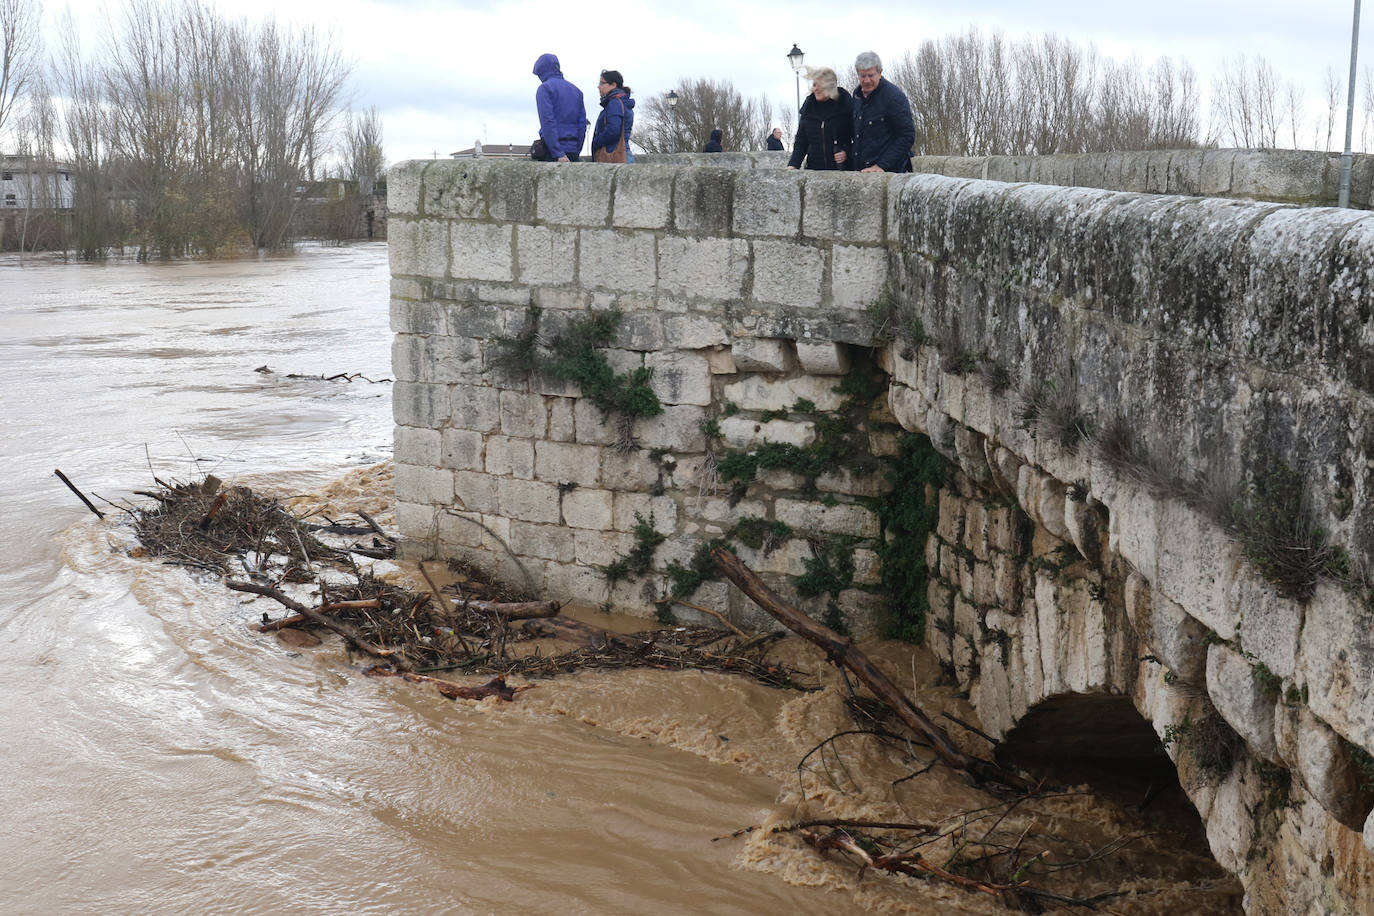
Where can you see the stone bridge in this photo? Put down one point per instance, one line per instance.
(1109, 454)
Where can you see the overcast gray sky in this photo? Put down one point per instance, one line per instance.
(445, 73)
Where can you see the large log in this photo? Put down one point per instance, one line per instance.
(514, 610)
(841, 651)
(347, 632)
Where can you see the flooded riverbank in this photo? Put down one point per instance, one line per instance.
(161, 757)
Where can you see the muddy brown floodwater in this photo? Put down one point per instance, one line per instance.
(161, 757)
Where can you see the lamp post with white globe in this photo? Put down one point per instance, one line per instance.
(794, 57)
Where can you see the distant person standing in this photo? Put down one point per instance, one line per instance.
(611, 137)
(825, 125)
(883, 129)
(713, 144)
(562, 113)
(775, 139)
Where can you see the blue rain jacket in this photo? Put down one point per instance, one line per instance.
(562, 114)
(617, 108)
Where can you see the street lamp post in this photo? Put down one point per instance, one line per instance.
(672, 106)
(1343, 197)
(794, 57)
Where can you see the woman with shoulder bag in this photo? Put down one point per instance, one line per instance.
(611, 138)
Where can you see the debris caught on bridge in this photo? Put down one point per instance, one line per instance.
(474, 626)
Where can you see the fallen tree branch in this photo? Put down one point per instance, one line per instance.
(515, 610)
(841, 652)
(347, 632)
(496, 687)
(581, 633)
(79, 495)
(296, 620)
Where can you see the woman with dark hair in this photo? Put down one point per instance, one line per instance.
(825, 126)
(611, 138)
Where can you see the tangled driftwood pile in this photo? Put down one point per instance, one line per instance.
(473, 626)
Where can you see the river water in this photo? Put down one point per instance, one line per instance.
(161, 757)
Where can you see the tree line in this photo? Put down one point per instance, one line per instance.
(977, 94)
(187, 132)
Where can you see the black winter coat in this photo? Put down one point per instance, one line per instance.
(824, 129)
(884, 131)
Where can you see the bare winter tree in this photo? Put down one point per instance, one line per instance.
(703, 106)
(1247, 104)
(1332, 92)
(364, 159)
(94, 224)
(20, 50)
(288, 86)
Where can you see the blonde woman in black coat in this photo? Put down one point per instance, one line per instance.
(825, 125)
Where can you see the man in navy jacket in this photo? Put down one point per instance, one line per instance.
(883, 129)
(562, 114)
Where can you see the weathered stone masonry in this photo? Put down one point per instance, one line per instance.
(1223, 335)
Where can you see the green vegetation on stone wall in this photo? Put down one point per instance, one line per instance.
(909, 514)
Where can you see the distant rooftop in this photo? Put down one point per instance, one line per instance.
(480, 150)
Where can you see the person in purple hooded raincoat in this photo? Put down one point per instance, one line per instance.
(562, 113)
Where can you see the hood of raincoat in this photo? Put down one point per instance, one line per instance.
(547, 67)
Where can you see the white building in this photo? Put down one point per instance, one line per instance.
(27, 182)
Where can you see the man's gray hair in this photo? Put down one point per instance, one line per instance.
(868, 60)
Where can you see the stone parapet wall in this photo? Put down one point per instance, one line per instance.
(1106, 373)
(1305, 177)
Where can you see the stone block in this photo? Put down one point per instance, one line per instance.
(1178, 640)
(547, 542)
(562, 420)
(643, 198)
(1234, 691)
(1087, 523)
(744, 433)
(1270, 624)
(563, 462)
(527, 500)
(858, 276)
(460, 529)
(626, 471)
(721, 361)
(416, 317)
(474, 491)
(593, 427)
(417, 520)
(456, 190)
(454, 359)
(909, 406)
(617, 260)
(510, 194)
(1322, 763)
(523, 415)
(661, 511)
(758, 393)
(767, 204)
(702, 200)
(950, 519)
(788, 273)
(412, 445)
(677, 428)
(855, 481)
(410, 358)
(845, 207)
(694, 332)
(508, 457)
(462, 450)
(575, 196)
(704, 267)
(756, 354)
(419, 404)
(545, 254)
(481, 251)
(857, 521)
(476, 407)
(479, 320)
(1196, 564)
(403, 188)
(424, 485)
(585, 507)
(1337, 663)
(418, 248)
(601, 548)
(823, 358)
(680, 377)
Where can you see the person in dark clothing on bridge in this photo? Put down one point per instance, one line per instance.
(713, 145)
(775, 139)
(884, 131)
(611, 137)
(825, 127)
(562, 113)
